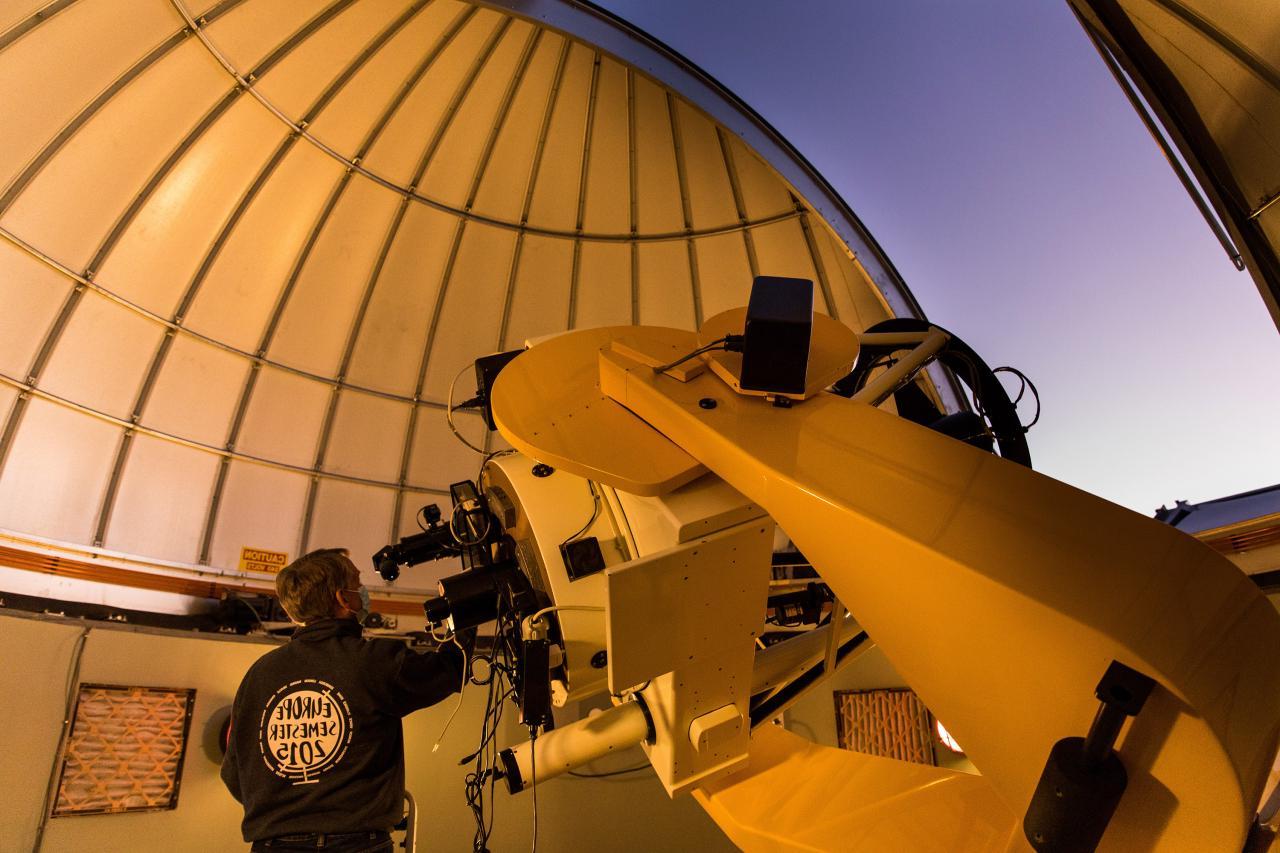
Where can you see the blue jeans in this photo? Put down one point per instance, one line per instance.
(345, 842)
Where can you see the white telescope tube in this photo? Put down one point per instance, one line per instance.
(561, 750)
(877, 390)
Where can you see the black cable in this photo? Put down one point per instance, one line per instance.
(256, 617)
(974, 382)
(494, 454)
(595, 513)
(1022, 381)
(885, 361)
(486, 755)
(489, 743)
(453, 529)
(471, 670)
(1022, 389)
(533, 780)
(733, 343)
(474, 783)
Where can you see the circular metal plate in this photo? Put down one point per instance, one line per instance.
(547, 402)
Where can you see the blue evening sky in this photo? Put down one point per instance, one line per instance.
(994, 158)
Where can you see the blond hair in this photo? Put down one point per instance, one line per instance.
(307, 586)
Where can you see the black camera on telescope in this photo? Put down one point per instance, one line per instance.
(469, 533)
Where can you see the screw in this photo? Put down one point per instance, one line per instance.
(541, 470)
(600, 659)
(707, 403)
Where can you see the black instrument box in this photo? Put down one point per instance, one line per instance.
(775, 352)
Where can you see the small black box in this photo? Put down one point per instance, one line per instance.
(535, 684)
(775, 353)
(487, 369)
(582, 557)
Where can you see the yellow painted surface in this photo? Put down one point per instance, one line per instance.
(1035, 587)
(795, 795)
(547, 403)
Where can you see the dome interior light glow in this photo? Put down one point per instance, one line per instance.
(945, 736)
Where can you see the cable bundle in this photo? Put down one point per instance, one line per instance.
(500, 681)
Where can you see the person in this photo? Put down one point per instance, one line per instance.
(315, 749)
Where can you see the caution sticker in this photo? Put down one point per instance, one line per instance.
(258, 560)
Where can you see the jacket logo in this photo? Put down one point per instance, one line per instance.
(305, 730)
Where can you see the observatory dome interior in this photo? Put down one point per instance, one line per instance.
(247, 245)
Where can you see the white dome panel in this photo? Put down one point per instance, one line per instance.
(316, 318)
(92, 199)
(101, 356)
(723, 261)
(664, 286)
(658, 176)
(467, 315)
(434, 460)
(600, 293)
(253, 34)
(195, 392)
(505, 179)
(184, 204)
(763, 195)
(50, 72)
(535, 306)
(352, 516)
(557, 168)
(14, 12)
(281, 407)
(403, 145)
(303, 74)
(31, 293)
(606, 179)
(244, 271)
(388, 352)
(783, 249)
(258, 507)
(852, 301)
(8, 396)
(366, 437)
(1211, 75)
(372, 79)
(163, 496)
(476, 114)
(57, 472)
(706, 168)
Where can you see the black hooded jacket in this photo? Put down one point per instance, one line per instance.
(315, 743)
